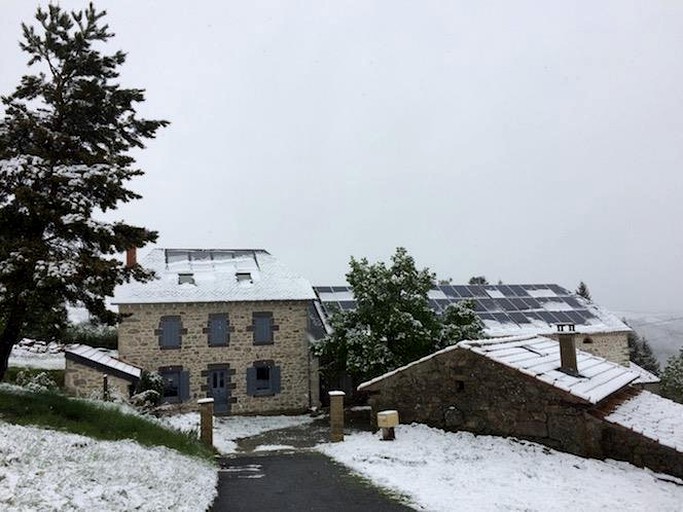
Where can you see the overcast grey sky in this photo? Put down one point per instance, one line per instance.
(527, 141)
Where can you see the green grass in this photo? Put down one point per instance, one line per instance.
(56, 411)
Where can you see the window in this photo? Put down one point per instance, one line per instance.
(263, 379)
(170, 332)
(262, 327)
(176, 384)
(218, 330)
(186, 279)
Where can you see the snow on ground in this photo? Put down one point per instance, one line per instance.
(440, 471)
(226, 429)
(653, 416)
(50, 471)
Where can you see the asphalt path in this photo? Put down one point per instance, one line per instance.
(296, 481)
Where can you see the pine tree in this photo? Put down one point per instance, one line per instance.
(582, 291)
(672, 378)
(64, 159)
(393, 323)
(641, 353)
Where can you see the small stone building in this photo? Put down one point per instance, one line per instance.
(234, 325)
(532, 387)
(86, 368)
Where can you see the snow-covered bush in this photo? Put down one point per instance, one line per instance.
(149, 391)
(36, 381)
(672, 378)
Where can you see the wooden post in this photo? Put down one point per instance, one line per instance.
(105, 387)
(206, 420)
(336, 416)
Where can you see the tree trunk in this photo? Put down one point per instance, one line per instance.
(10, 335)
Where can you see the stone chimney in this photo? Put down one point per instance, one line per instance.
(565, 335)
(131, 257)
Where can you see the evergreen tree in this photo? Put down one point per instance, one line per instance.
(64, 159)
(672, 378)
(641, 353)
(477, 280)
(582, 291)
(393, 323)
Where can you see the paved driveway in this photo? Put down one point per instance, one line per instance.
(296, 481)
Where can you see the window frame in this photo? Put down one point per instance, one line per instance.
(255, 386)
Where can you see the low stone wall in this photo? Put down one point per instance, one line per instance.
(620, 443)
(86, 382)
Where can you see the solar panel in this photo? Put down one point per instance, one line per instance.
(462, 291)
(323, 289)
(559, 290)
(449, 290)
(563, 317)
(506, 290)
(519, 318)
(573, 302)
(506, 305)
(532, 303)
(477, 291)
(518, 290)
(336, 289)
(347, 305)
(488, 304)
(502, 318)
(479, 305)
(519, 304)
(548, 317)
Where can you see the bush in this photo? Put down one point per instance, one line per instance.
(149, 391)
(13, 373)
(36, 381)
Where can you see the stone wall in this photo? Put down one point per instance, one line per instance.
(612, 346)
(461, 390)
(86, 382)
(139, 345)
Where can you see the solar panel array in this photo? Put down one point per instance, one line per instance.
(515, 304)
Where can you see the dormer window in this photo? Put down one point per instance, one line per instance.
(186, 279)
(244, 277)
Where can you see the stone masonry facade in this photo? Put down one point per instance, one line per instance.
(461, 390)
(612, 346)
(86, 382)
(139, 345)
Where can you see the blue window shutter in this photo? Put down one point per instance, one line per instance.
(275, 379)
(251, 381)
(263, 328)
(218, 330)
(170, 331)
(184, 386)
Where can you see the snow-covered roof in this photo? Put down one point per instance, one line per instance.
(644, 377)
(506, 310)
(539, 357)
(652, 416)
(214, 275)
(102, 357)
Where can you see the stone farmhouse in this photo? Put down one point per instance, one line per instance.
(228, 324)
(541, 389)
(512, 310)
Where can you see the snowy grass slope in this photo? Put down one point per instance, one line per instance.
(55, 471)
(441, 472)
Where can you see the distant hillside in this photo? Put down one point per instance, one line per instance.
(664, 331)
